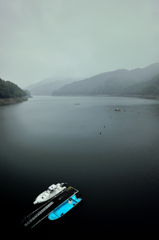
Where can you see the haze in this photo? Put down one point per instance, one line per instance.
(75, 38)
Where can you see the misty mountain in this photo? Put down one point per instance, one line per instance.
(114, 82)
(148, 88)
(47, 86)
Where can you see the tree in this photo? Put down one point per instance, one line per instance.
(10, 90)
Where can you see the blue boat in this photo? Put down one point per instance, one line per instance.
(64, 208)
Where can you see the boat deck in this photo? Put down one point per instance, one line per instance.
(64, 208)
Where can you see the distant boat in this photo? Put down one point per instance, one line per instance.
(65, 207)
(51, 192)
(118, 109)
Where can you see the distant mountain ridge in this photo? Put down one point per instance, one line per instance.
(115, 82)
(48, 85)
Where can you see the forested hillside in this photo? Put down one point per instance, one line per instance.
(10, 90)
(148, 88)
(140, 81)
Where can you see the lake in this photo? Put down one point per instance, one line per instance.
(111, 157)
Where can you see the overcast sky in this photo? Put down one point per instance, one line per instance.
(75, 38)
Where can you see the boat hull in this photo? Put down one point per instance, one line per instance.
(47, 195)
(64, 208)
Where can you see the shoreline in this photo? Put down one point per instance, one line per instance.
(109, 95)
(8, 101)
(141, 96)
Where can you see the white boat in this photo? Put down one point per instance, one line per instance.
(51, 192)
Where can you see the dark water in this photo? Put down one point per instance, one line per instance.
(57, 139)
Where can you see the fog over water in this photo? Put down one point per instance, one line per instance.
(110, 156)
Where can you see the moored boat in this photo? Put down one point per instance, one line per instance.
(51, 192)
(42, 211)
(65, 207)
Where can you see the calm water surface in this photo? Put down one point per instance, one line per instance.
(111, 157)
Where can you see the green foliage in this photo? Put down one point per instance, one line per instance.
(10, 90)
(27, 93)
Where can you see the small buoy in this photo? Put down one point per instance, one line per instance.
(107, 109)
(131, 111)
(147, 112)
(157, 113)
(104, 126)
(100, 132)
(139, 112)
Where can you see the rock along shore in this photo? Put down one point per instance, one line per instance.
(7, 101)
